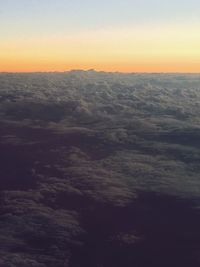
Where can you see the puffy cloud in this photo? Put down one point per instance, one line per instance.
(93, 163)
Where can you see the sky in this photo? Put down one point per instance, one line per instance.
(109, 35)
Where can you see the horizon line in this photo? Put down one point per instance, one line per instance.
(99, 71)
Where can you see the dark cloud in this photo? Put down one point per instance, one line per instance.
(99, 169)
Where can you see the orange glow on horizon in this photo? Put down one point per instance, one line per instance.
(140, 49)
(157, 67)
(148, 68)
(50, 66)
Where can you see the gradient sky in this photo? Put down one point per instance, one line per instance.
(112, 35)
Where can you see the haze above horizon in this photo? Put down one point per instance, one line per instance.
(120, 35)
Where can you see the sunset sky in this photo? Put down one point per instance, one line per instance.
(109, 35)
